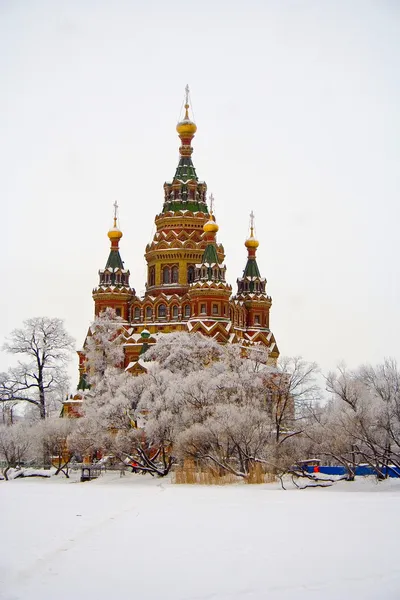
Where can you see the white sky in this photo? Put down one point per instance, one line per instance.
(297, 108)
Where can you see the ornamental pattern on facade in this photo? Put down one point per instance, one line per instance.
(186, 289)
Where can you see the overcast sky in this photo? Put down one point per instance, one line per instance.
(297, 108)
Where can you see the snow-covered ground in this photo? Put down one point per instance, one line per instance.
(133, 537)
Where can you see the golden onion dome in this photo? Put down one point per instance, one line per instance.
(210, 225)
(115, 233)
(251, 242)
(186, 127)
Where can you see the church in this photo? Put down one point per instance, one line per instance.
(186, 288)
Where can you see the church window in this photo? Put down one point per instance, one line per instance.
(202, 309)
(256, 319)
(149, 312)
(187, 310)
(137, 313)
(175, 311)
(175, 274)
(118, 312)
(215, 309)
(166, 275)
(118, 278)
(190, 274)
(162, 311)
(152, 276)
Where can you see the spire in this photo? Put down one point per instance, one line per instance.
(251, 269)
(185, 192)
(210, 257)
(115, 234)
(251, 280)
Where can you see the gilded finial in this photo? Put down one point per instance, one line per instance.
(187, 102)
(211, 204)
(211, 225)
(115, 233)
(251, 241)
(186, 128)
(115, 212)
(251, 224)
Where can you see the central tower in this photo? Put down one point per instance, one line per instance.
(179, 243)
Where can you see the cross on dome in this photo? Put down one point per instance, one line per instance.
(115, 212)
(251, 241)
(211, 204)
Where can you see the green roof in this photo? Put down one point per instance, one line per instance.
(210, 255)
(251, 269)
(185, 170)
(114, 260)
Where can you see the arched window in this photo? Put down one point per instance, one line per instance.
(190, 274)
(118, 278)
(166, 275)
(187, 310)
(136, 313)
(118, 312)
(152, 276)
(162, 311)
(175, 311)
(149, 312)
(175, 274)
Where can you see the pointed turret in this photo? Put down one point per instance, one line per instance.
(185, 192)
(251, 281)
(209, 293)
(113, 289)
(210, 268)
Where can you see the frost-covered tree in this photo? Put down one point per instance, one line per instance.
(15, 445)
(225, 408)
(221, 405)
(360, 423)
(40, 377)
(50, 439)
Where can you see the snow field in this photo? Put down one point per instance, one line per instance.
(145, 538)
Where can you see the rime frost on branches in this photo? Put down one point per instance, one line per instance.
(41, 378)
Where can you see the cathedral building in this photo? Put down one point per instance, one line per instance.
(186, 288)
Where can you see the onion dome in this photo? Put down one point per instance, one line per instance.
(251, 242)
(115, 233)
(211, 226)
(186, 127)
(145, 334)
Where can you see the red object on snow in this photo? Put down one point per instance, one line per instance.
(316, 469)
